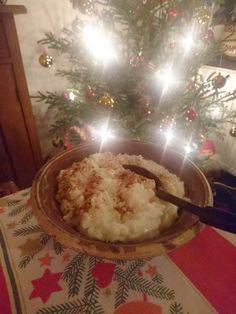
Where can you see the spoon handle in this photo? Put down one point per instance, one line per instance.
(209, 215)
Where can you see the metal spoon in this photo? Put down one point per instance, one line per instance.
(207, 214)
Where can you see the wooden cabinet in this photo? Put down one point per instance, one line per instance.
(20, 154)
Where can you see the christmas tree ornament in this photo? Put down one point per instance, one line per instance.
(107, 100)
(208, 36)
(190, 114)
(147, 111)
(71, 94)
(202, 15)
(84, 6)
(137, 61)
(150, 66)
(173, 12)
(46, 60)
(173, 44)
(232, 131)
(219, 81)
(147, 101)
(207, 147)
(90, 92)
(191, 87)
(196, 52)
(208, 161)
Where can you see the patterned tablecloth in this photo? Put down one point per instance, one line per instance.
(39, 275)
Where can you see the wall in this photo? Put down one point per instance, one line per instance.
(53, 15)
(226, 147)
(42, 16)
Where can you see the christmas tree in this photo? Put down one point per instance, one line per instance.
(135, 73)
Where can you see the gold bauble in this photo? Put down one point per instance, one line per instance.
(232, 131)
(46, 60)
(202, 15)
(107, 100)
(219, 81)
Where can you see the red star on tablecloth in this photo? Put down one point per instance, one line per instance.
(152, 270)
(45, 285)
(66, 257)
(46, 260)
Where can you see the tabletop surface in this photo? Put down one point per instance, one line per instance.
(39, 275)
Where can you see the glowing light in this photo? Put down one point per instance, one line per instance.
(169, 135)
(104, 133)
(188, 149)
(98, 43)
(72, 96)
(188, 42)
(167, 77)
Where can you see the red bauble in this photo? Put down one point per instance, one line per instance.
(147, 111)
(207, 148)
(196, 52)
(146, 101)
(191, 87)
(190, 114)
(90, 92)
(173, 44)
(137, 61)
(173, 12)
(208, 36)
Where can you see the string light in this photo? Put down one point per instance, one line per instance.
(72, 96)
(98, 43)
(190, 147)
(169, 135)
(167, 77)
(188, 42)
(104, 133)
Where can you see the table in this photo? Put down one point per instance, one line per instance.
(39, 275)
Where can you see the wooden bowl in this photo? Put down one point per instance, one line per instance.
(185, 228)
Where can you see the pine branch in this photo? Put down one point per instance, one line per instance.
(134, 266)
(26, 218)
(73, 274)
(158, 279)
(17, 210)
(27, 258)
(144, 286)
(91, 291)
(58, 247)
(12, 202)
(122, 293)
(44, 238)
(141, 35)
(176, 308)
(70, 307)
(27, 230)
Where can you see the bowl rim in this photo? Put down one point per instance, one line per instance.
(52, 228)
